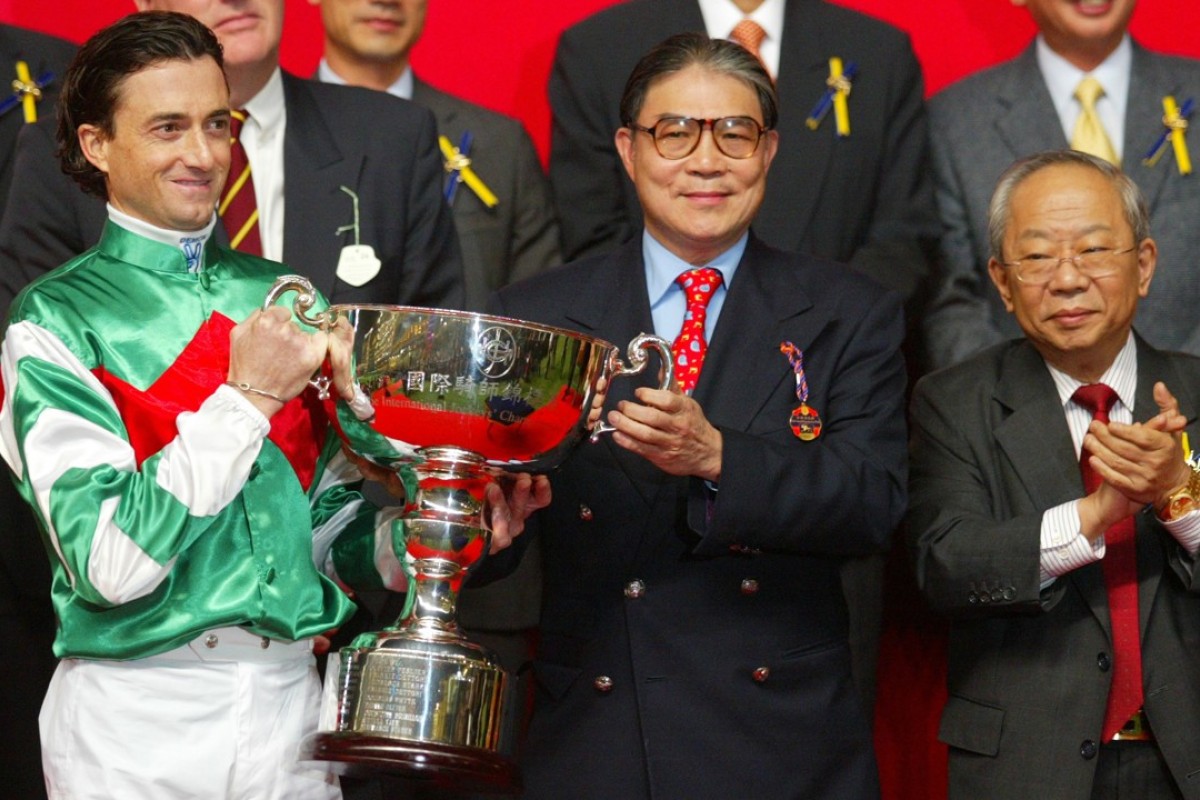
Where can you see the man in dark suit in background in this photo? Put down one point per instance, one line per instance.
(694, 638)
(333, 167)
(26, 619)
(46, 57)
(982, 124)
(1075, 641)
(368, 43)
(505, 237)
(865, 199)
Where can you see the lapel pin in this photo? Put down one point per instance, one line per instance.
(805, 422)
(1175, 125)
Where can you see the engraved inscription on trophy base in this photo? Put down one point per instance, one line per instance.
(438, 711)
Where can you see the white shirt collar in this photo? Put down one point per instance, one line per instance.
(720, 17)
(190, 242)
(1121, 376)
(1062, 77)
(266, 108)
(402, 88)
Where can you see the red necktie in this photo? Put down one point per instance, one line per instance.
(749, 34)
(1120, 580)
(689, 347)
(238, 209)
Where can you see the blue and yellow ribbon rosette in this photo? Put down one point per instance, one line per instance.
(1175, 125)
(836, 96)
(458, 163)
(26, 92)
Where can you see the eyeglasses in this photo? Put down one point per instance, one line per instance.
(1038, 269)
(678, 137)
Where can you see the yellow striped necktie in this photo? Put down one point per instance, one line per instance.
(238, 209)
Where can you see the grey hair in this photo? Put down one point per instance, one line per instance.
(684, 50)
(1133, 203)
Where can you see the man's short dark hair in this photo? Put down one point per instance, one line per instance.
(684, 50)
(91, 88)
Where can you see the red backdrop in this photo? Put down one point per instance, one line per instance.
(499, 55)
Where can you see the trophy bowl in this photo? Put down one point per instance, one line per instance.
(451, 401)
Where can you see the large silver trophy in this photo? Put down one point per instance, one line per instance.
(450, 400)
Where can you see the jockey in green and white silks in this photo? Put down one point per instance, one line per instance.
(169, 505)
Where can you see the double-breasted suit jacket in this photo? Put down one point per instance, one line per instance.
(693, 643)
(1029, 669)
(335, 136)
(981, 125)
(866, 199)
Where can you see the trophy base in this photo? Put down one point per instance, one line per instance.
(464, 769)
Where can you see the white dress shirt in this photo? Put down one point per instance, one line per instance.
(262, 137)
(1064, 547)
(1062, 78)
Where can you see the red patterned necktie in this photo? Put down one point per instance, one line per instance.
(238, 209)
(749, 34)
(689, 347)
(1120, 580)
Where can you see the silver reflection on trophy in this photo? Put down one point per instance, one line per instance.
(450, 400)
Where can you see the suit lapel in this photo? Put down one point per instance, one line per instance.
(617, 310)
(1033, 435)
(1025, 115)
(315, 169)
(1148, 84)
(744, 367)
(803, 65)
(1037, 442)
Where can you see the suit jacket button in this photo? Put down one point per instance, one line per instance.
(997, 596)
(749, 586)
(635, 589)
(211, 641)
(585, 513)
(603, 684)
(1010, 593)
(761, 674)
(1088, 749)
(984, 597)
(1103, 662)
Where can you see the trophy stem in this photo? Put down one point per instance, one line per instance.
(445, 537)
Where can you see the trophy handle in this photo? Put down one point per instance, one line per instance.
(636, 353)
(306, 297)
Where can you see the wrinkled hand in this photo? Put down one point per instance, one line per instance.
(270, 352)
(511, 499)
(1143, 461)
(669, 430)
